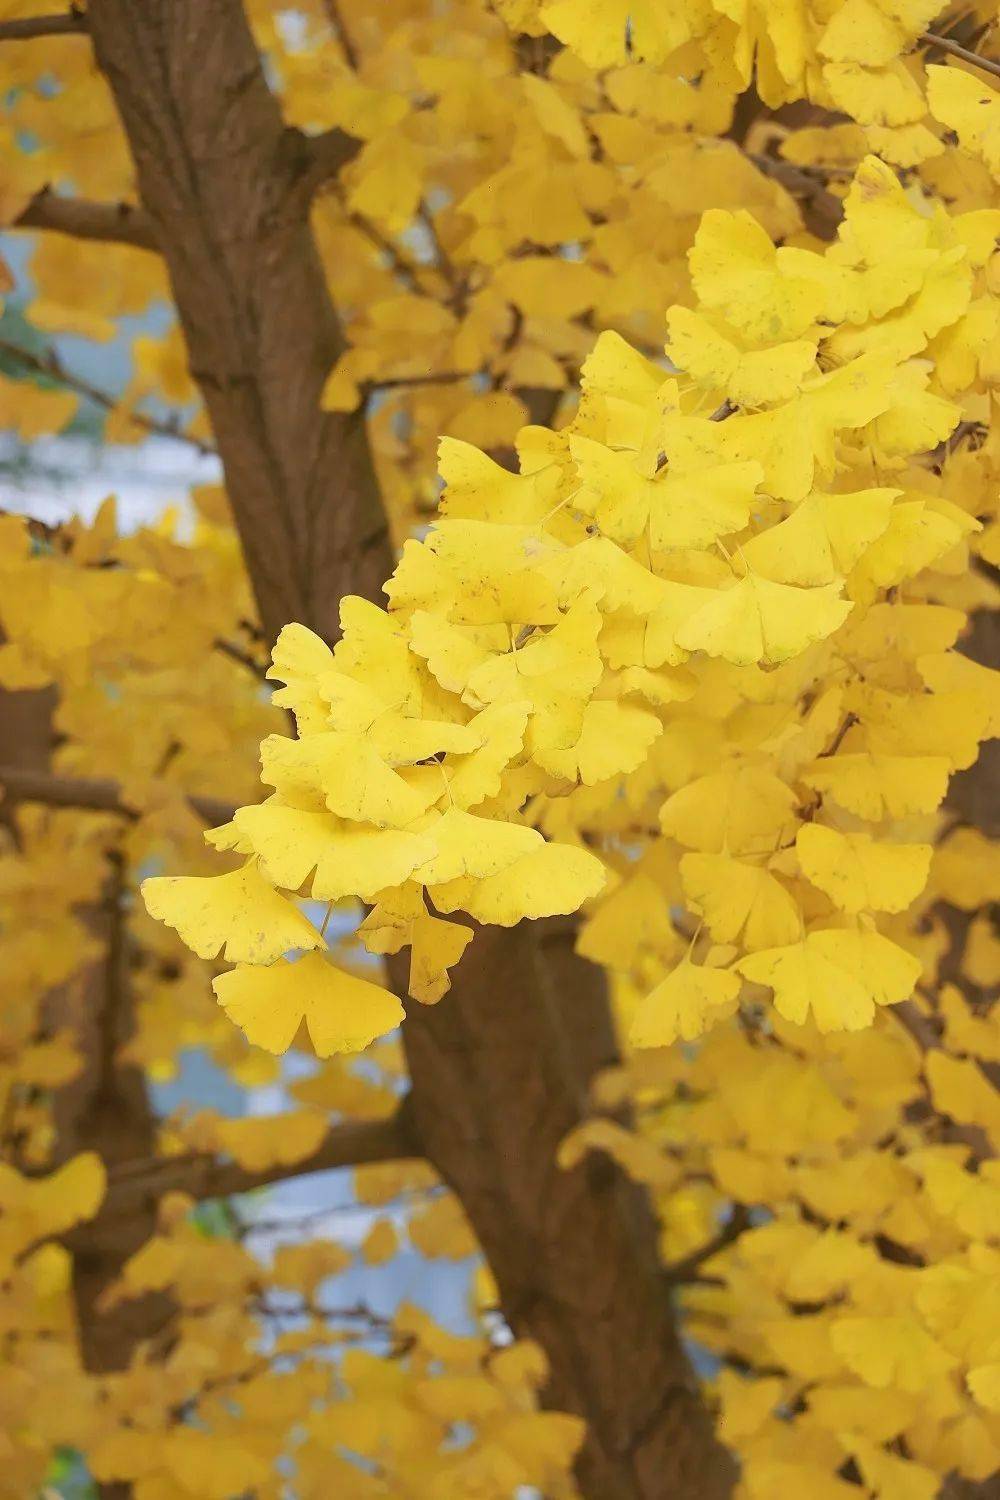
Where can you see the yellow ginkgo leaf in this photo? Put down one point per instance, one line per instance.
(463, 844)
(347, 772)
(259, 1141)
(380, 1243)
(435, 947)
(741, 810)
(710, 353)
(822, 539)
(858, 873)
(686, 1003)
(342, 1012)
(880, 786)
(239, 911)
(966, 103)
(549, 881)
(473, 777)
(737, 273)
(837, 975)
(740, 902)
(614, 738)
(757, 622)
(891, 1351)
(478, 488)
(348, 860)
(608, 32)
(299, 660)
(32, 1208)
(682, 508)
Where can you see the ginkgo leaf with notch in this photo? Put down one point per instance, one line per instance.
(348, 859)
(740, 810)
(740, 902)
(685, 1004)
(687, 507)
(761, 623)
(347, 772)
(859, 873)
(550, 881)
(342, 1012)
(239, 912)
(880, 786)
(614, 739)
(710, 352)
(822, 539)
(836, 975)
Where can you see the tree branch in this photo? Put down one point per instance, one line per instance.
(687, 1269)
(51, 365)
(72, 23)
(945, 44)
(824, 209)
(343, 36)
(88, 794)
(110, 223)
(351, 1143)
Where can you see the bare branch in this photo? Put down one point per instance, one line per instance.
(71, 23)
(433, 377)
(237, 654)
(92, 795)
(51, 365)
(343, 36)
(687, 1269)
(920, 1026)
(406, 270)
(945, 44)
(824, 209)
(110, 223)
(351, 1143)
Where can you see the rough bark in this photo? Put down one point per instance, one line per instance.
(500, 1068)
(226, 186)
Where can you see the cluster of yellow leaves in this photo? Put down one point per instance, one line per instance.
(112, 623)
(863, 59)
(692, 634)
(339, 1394)
(856, 1318)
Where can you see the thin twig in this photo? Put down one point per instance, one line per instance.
(400, 382)
(71, 23)
(51, 365)
(945, 43)
(687, 1269)
(91, 794)
(443, 262)
(340, 31)
(237, 654)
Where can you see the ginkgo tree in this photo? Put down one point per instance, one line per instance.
(558, 729)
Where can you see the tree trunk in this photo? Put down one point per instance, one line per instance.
(500, 1068)
(227, 187)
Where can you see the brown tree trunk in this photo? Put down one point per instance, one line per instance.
(500, 1068)
(227, 187)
